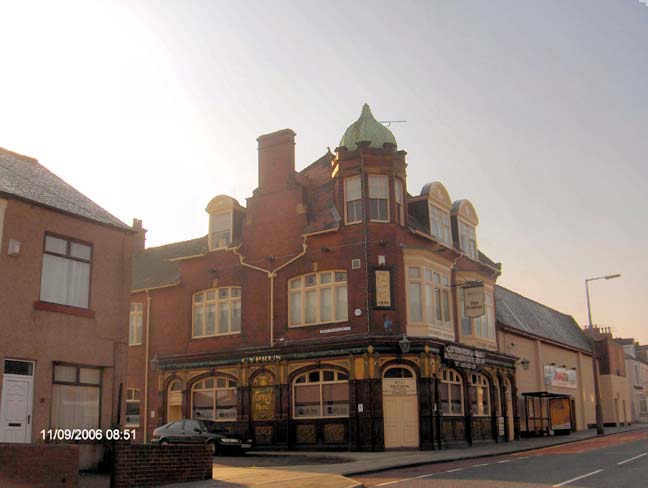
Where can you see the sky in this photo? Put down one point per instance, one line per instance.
(535, 111)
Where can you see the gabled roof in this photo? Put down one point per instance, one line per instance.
(153, 268)
(25, 178)
(518, 312)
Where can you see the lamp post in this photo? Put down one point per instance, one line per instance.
(597, 392)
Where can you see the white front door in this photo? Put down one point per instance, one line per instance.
(16, 407)
(400, 408)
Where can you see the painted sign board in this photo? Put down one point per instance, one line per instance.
(473, 301)
(383, 289)
(559, 377)
(463, 357)
(399, 386)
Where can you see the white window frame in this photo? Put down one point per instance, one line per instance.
(231, 385)
(481, 327)
(373, 197)
(399, 197)
(135, 324)
(219, 243)
(467, 239)
(133, 398)
(427, 278)
(479, 382)
(321, 383)
(440, 219)
(451, 377)
(358, 204)
(216, 301)
(299, 292)
(58, 383)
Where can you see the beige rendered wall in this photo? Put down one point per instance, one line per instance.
(615, 399)
(540, 353)
(47, 336)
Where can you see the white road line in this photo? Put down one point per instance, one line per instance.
(392, 482)
(454, 470)
(578, 478)
(632, 458)
(523, 457)
(504, 461)
(480, 465)
(424, 476)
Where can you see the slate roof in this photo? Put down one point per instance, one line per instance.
(522, 313)
(152, 267)
(25, 178)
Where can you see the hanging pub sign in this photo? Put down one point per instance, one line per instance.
(473, 301)
(463, 357)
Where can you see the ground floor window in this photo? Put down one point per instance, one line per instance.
(76, 393)
(451, 393)
(132, 407)
(479, 395)
(643, 406)
(321, 394)
(214, 399)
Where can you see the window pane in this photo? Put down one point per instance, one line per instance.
(18, 367)
(223, 317)
(296, 283)
(325, 278)
(437, 304)
(81, 251)
(307, 401)
(236, 316)
(326, 304)
(210, 319)
(314, 377)
(198, 297)
(65, 373)
(90, 375)
(413, 272)
(354, 211)
(414, 296)
(310, 280)
(329, 376)
(54, 244)
(446, 306)
(203, 405)
(235, 292)
(311, 307)
(223, 293)
(352, 190)
(75, 407)
(210, 295)
(219, 222)
(456, 406)
(378, 187)
(398, 191)
(335, 398)
(295, 308)
(198, 320)
(341, 305)
(429, 304)
(427, 272)
(340, 276)
(65, 281)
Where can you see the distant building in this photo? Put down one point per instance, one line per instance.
(326, 313)
(64, 282)
(554, 358)
(637, 373)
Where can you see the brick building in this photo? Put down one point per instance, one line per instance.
(328, 312)
(64, 292)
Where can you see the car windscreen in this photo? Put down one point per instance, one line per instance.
(214, 428)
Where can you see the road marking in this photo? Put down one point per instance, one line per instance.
(523, 457)
(454, 470)
(423, 476)
(479, 465)
(392, 482)
(632, 458)
(504, 461)
(578, 478)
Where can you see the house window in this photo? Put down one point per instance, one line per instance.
(440, 224)
(321, 393)
(135, 324)
(428, 295)
(643, 406)
(451, 393)
(479, 395)
(65, 276)
(318, 298)
(75, 397)
(220, 230)
(217, 312)
(467, 239)
(482, 327)
(398, 197)
(353, 199)
(132, 407)
(214, 399)
(379, 198)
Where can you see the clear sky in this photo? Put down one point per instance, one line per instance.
(535, 111)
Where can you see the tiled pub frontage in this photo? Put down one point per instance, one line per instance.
(384, 393)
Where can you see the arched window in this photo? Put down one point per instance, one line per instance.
(174, 401)
(398, 373)
(214, 399)
(217, 312)
(318, 298)
(451, 393)
(480, 395)
(322, 393)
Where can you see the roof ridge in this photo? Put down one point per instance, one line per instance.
(22, 156)
(535, 301)
(328, 153)
(174, 243)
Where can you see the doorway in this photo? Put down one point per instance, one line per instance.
(400, 407)
(174, 401)
(16, 404)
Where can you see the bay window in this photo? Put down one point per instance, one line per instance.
(428, 296)
(318, 298)
(214, 399)
(217, 312)
(482, 327)
(65, 275)
(379, 198)
(76, 391)
(321, 394)
(451, 393)
(353, 199)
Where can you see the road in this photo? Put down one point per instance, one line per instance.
(615, 461)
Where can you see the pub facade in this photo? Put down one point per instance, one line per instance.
(335, 310)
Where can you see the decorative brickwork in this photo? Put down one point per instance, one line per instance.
(39, 466)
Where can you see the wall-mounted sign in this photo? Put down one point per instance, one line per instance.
(268, 358)
(383, 288)
(462, 357)
(560, 377)
(399, 386)
(473, 301)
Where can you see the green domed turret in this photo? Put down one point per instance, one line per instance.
(367, 128)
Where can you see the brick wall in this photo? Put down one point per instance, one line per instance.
(38, 466)
(149, 465)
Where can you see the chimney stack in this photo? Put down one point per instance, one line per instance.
(139, 239)
(276, 160)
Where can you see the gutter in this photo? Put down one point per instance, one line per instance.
(146, 363)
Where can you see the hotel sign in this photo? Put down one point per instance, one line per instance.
(463, 357)
(268, 358)
(473, 301)
(560, 377)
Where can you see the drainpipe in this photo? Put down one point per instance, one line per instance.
(146, 364)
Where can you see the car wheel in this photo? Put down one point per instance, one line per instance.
(164, 442)
(213, 450)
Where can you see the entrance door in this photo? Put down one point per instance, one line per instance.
(400, 408)
(174, 401)
(16, 405)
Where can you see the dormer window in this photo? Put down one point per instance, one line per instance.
(353, 200)
(464, 222)
(378, 198)
(440, 224)
(467, 239)
(220, 230)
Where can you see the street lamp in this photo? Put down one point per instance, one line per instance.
(597, 392)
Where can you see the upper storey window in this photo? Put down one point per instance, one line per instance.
(467, 239)
(464, 221)
(398, 197)
(217, 312)
(353, 199)
(379, 198)
(439, 205)
(220, 230)
(318, 298)
(482, 327)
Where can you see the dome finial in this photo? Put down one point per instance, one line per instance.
(367, 129)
